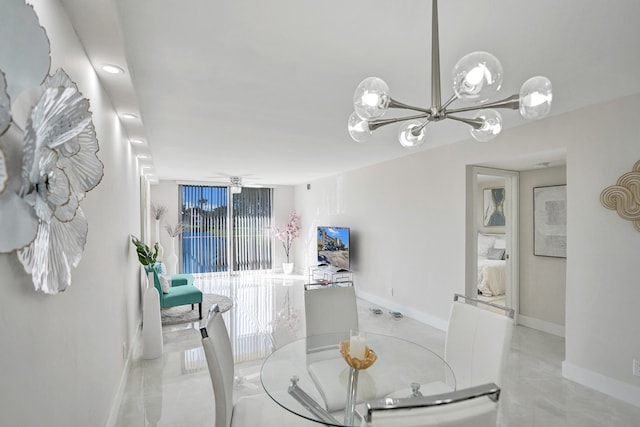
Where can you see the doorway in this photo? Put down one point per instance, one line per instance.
(492, 235)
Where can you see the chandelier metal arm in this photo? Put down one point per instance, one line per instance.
(449, 101)
(512, 102)
(375, 124)
(397, 104)
(435, 59)
(416, 130)
(474, 123)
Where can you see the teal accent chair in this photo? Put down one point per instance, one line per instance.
(182, 290)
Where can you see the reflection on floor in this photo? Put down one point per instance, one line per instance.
(175, 390)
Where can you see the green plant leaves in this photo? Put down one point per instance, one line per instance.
(145, 255)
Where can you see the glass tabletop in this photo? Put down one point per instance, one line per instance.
(310, 378)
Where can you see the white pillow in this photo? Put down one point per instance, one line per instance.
(165, 283)
(500, 244)
(484, 243)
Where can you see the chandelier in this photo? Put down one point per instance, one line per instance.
(477, 77)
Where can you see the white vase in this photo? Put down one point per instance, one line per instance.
(160, 248)
(151, 324)
(172, 259)
(287, 267)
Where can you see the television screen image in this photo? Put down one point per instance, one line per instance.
(333, 247)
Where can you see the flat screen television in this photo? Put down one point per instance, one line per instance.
(333, 247)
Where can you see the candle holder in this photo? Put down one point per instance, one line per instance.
(355, 363)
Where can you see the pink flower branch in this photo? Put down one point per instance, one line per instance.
(290, 231)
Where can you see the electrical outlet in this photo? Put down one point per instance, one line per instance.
(391, 291)
(636, 367)
(124, 350)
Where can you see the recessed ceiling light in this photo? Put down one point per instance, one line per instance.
(129, 116)
(136, 141)
(112, 69)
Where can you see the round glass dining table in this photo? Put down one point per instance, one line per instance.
(310, 377)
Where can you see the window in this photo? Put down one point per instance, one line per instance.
(207, 222)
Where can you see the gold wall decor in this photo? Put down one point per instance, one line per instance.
(624, 197)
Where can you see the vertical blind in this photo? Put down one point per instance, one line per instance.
(252, 229)
(208, 221)
(204, 218)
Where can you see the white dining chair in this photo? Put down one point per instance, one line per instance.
(330, 309)
(477, 341)
(256, 410)
(471, 407)
(476, 346)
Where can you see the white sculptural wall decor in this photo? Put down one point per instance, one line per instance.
(48, 158)
(624, 197)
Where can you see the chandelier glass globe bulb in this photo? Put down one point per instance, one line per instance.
(490, 129)
(535, 98)
(406, 136)
(371, 98)
(358, 128)
(477, 77)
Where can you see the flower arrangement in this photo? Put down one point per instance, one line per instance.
(158, 211)
(174, 231)
(290, 231)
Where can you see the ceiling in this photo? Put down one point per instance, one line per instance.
(263, 89)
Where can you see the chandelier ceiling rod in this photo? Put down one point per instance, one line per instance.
(476, 78)
(435, 61)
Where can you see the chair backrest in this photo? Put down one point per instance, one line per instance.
(477, 343)
(471, 407)
(330, 309)
(217, 349)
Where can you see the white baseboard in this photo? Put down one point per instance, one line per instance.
(117, 401)
(407, 311)
(541, 325)
(623, 391)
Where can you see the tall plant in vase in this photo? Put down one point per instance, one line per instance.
(172, 259)
(158, 211)
(289, 232)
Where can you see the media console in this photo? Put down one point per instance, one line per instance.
(327, 275)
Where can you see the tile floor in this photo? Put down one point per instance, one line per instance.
(175, 390)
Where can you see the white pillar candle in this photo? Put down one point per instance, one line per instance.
(357, 346)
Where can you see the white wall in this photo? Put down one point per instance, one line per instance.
(407, 217)
(62, 359)
(602, 259)
(542, 279)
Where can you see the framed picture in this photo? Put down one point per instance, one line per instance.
(493, 215)
(550, 221)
